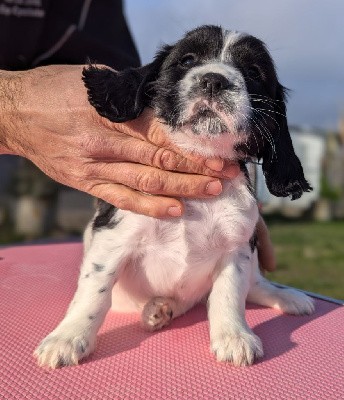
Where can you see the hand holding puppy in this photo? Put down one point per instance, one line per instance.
(47, 118)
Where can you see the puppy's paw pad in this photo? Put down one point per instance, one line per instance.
(294, 302)
(157, 313)
(240, 349)
(57, 351)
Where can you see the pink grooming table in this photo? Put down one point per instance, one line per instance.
(304, 356)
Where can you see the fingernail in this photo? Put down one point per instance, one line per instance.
(215, 165)
(214, 188)
(174, 211)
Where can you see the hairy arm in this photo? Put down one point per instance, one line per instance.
(10, 93)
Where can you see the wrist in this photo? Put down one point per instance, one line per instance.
(10, 94)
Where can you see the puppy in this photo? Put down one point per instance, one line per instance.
(218, 94)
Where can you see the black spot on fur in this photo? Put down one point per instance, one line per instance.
(244, 170)
(98, 267)
(238, 267)
(83, 346)
(91, 317)
(87, 276)
(253, 241)
(62, 362)
(102, 290)
(105, 217)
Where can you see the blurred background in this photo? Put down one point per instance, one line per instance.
(306, 40)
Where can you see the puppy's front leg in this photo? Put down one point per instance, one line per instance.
(230, 336)
(74, 338)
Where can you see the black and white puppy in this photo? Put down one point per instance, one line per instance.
(219, 96)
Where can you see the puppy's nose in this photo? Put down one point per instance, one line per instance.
(213, 83)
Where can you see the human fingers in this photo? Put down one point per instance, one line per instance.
(154, 181)
(148, 129)
(123, 147)
(266, 253)
(126, 198)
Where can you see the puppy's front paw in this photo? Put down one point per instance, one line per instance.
(240, 349)
(157, 313)
(294, 302)
(59, 350)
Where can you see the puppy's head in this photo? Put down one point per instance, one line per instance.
(219, 95)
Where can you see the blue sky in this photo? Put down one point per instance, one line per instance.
(305, 38)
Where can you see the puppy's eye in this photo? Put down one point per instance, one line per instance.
(188, 60)
(253, 73)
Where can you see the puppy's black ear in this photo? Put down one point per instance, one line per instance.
(121, 95)
(281, 167)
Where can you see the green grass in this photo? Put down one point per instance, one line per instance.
(310, 256)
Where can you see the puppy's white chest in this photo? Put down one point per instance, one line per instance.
(223, 223)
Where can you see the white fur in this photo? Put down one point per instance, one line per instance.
(230, 38)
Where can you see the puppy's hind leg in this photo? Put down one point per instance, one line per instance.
(159, 312)
(288, 300)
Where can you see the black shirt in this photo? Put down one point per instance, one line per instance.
(43, 32)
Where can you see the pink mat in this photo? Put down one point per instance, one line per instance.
(304, 356)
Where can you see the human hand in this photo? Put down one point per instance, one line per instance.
(49, 120)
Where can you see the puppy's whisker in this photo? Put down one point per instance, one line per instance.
(252, 95)
(264, 126)
(271, 111)
(262, 112)
(267, 135)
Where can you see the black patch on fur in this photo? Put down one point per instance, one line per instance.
(121, 95)
(102, 290)
(87, 275)
(253, 241)
(98, 267)
(91, 317)
(105, 217)
(244, 170)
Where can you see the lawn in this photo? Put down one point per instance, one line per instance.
(310, 256)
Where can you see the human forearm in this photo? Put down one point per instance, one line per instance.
(10, 94)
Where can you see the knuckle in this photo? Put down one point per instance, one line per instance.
(92, 145)
(123, 203)
(90, 171)
(166, 159)
(149, 183)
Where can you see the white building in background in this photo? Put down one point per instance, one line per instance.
(309, 146)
